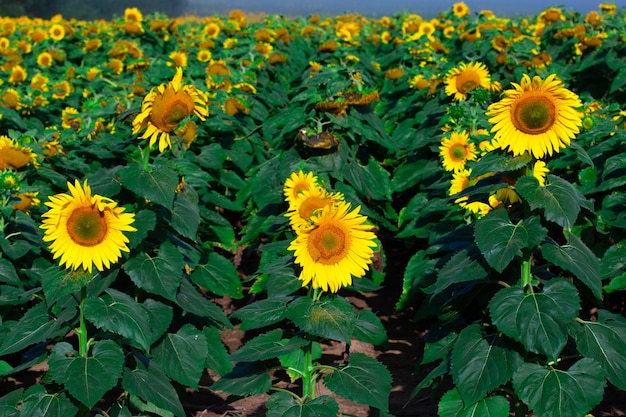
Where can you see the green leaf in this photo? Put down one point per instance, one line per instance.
(369, 328)
(478, 366)
(557, 393)
(161, 275)
(576, 257)
(295, 360)
(372, 180)
(499, 162)
(247, 378)
(157, 185)
(186, 215)
(500, 240)
(439, 349)
(10, 403)
(38, 403)
(266, 346)
(460, 268)
(35, 326)
(282, 404)
(87, 378)
(8, 274)
(331, 317)
(558, 199)
(539, 320)
(145, 221)
(262, 313)
(451, 405)
(364, 380)
(118, 313)
(614, 261)
(159, 316)
(605, 341)
(191, 301)
(219, 276)
(217, 355)
(153, 386)
(181, 355)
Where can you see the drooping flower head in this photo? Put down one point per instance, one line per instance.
(536, 116)
(14, 156)
(337, 246)
(466, 78)
(456, 150)
(165, 107)
(85, 229)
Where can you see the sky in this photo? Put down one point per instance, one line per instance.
(377, 8)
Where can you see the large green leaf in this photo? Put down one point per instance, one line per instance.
(159, 316)
(576, 257)
(282, 404)
(372, 180)
(539, 320)
(479, 366)
(500, 240)
(558, 199)
(161, 275)
(266, 346)
(153, 386)
(605, 341)
(38, 403)
(262, 313)
(557, 393)
(369, 329)
(331, 317)
(499, 162)
(192, 301)
(219, 276)
(364, 380)
(460, 268)
(217, 355)
(87, 378)
(246, 378)
(35, 326)
(186, 214)
(439, 349)
(10, 404)
(182, 355)
(8, 274)
(157, 185)
(118, 313)
(451, 405)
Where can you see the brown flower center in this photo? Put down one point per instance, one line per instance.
(533, 114)
(328, 244)
(458, 152)
(169, 108)
(87, 226)
(311, 205)
(467, 81)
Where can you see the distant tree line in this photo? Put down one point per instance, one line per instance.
(88, 9)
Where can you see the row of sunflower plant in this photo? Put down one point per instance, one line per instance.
(157, 171)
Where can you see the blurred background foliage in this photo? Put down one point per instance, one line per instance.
(88, 9)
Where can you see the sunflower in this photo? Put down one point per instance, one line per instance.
(133, 14)
(18, 75)
(466, 78)
(540, 170)
(24, 201)
(14, 156)
(536, 116)
(337, 246)
(460, 181)
(296, 184)
(85, 229)
(460, 9)
(57, 32)
(44, 59)
(165, 107)
(456, 151)
(309, 203)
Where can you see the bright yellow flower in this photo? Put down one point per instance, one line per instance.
(336, 247)
(466, 78)
(536, 116)
(18, 75)
(165, 107)
(44, 59)
(180, 59)
(14, 156)
(296, 184)
(57, 32)
(456, 150)
(540, 171)
(133, 14)
(460, 9)
(86, 230)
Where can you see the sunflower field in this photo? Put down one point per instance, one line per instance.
(165, 181)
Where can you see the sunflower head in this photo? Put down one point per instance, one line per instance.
(309, 203)
(456, 150)
(85, 229)
(14, 156)
(465, 79)
(297, 183)
(536, 116)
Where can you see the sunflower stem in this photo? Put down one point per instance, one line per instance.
(526, 274)
(308, 378)
(82, 330)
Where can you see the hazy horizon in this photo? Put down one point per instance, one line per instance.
(377, 8)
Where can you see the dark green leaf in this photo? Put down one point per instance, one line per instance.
(245, 379)
(576, 257)
(87, 378)
(605, 341)
(8, 274)
(282, 404)
(219, 276)
(372, 180)
(181, 355)
(10, 403)
(35, 326)
(364, 381)
(145, 221)
(262, 313)
(159, 316)
(614, 260)
(191, 301)
(331, 317)
(558, 199)
(157, 185)
(500, 240)
(217, 355)
(478, 366)
(266, 346)
(38, 403)
(118, 313)
(539, 320)
(186, 215)
(153, 386)
(499, 162)
(369, 328)
(460, 268)
(557, 393)
(161, 275)
(451, 405)
(439, 349)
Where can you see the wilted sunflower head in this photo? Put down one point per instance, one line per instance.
(165, 107)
